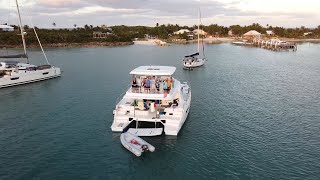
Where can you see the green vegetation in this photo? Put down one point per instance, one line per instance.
(128, 33)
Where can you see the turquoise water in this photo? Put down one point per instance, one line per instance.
(255, 114)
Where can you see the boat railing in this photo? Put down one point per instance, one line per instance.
(119, 98)
(153, 89)
(143, 90)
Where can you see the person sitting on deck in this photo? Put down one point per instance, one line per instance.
(145, 105)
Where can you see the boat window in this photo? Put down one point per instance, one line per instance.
(45, 73)
(153, 69)
(14, 78)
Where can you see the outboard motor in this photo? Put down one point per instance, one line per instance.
(144, 148)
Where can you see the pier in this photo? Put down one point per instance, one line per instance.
(275, 44)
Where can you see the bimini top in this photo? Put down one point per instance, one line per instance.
(154, 70)
(192, 55)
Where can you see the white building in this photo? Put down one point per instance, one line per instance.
(252, 34)
(307, 33)
(200, 31)
(6, 28)
(270, 32)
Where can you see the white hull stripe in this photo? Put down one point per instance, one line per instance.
(31, 81)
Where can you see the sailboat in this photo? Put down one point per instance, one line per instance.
(14, 73)
(194, 60)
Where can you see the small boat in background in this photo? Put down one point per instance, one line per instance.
(135, 144)
(194, 60)
(13, 73)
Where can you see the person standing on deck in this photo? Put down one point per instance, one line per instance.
(165, 85)
(138, 84)
(169, 84)
(134, 84)
(157, 84)
(147, 85)
(152, 84)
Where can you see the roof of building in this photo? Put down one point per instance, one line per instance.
(252, 33)
(181, 31)
(154, 70)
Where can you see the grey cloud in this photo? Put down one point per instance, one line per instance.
(140, 12)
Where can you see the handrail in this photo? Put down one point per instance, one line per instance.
(144, 90)
(121, 95)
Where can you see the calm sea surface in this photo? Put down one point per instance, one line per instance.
(255, 114)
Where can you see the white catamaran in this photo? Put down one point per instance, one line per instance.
(155, 103)
(194, 60)
(14, 73)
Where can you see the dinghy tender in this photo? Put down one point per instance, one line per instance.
(135, 144)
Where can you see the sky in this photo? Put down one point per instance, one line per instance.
(66, 13)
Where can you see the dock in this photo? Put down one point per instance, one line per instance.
(275, 44)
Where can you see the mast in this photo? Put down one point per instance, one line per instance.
(199, 30)
(22, 32)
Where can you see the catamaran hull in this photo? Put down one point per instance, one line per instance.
(29, 77)
(170, 128)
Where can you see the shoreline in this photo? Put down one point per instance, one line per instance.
(209, 40)
(64, 45)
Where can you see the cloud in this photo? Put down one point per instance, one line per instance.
(58, 3)
(149, 12)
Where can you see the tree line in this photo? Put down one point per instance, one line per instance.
(128, 33)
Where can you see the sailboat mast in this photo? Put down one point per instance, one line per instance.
(199, 30)
(22, 32)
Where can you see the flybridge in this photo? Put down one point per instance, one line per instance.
(154, 70)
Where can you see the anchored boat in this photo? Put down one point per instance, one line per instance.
(14, 73)
(194, 60)
(154, 103)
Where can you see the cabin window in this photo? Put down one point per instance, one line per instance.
(14, 78)
(45, 73)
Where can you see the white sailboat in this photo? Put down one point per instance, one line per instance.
(194, 60)
(14, 73)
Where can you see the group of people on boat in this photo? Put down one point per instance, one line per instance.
(151, 84)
